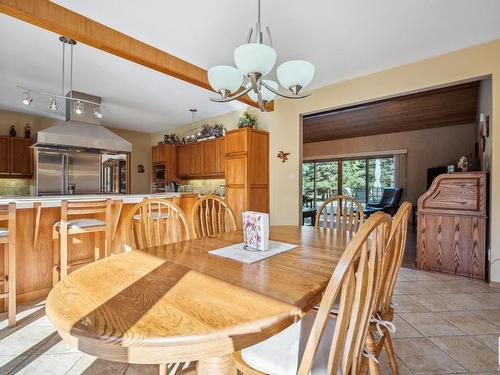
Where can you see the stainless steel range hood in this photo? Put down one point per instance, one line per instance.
(82, 132)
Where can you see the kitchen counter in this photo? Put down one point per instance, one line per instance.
(35, 218)
(55, 200)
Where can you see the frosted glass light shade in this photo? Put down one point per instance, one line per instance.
(267, 95)
(254, 58)
(295, 72)
(225, 77)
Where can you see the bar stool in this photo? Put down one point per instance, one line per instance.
(8, 240)
(80, 223)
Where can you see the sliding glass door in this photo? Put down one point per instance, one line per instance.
(361, 178)
(354, 179)
(380, 176)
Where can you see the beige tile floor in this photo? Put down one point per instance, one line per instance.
(446, 325)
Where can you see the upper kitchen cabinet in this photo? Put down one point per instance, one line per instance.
(169, 154)
(183, 160)
(158, 154)
(16, 157)
(204, 159)
(221, 142)
(196, 160)
(210, 158)
(4, 156)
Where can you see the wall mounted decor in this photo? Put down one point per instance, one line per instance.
(283, 156)
(140, 168)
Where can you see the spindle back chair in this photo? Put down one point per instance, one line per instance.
(393, 256)
(340, 212)
(159, 222)
(355, 285)
(212, 215)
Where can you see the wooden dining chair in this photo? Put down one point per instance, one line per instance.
(379, 335)
(79, 217)
(333, 345)
(155, 222)
(340, 212)
(212, 215)
(8, 243)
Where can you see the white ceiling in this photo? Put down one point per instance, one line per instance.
(343, 39)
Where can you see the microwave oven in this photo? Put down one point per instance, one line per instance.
(159, 172)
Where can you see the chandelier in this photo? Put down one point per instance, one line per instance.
(78, 107)
(255, 60)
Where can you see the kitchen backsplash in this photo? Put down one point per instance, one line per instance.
(205, 186)
(13, 186)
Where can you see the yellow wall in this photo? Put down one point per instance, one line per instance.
(426, 148)
(285, 122)
(141, 144)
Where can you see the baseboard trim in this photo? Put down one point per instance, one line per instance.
(494, 284)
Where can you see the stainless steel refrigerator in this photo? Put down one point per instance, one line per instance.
(67, 172)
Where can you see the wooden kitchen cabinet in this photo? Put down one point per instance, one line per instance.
(196, 159)
(158, 154)
(16, 157)
(21, 157)
(183, 160)
(170, 157)
(204, 159)
(247, 171)
(220, 156)
(210, 157)
(4, 156)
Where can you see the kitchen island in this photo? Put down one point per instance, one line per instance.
(35, 218)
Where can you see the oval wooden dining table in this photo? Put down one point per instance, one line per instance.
(178, 302)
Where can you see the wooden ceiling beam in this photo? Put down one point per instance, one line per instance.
(454, 105)
(62, 21)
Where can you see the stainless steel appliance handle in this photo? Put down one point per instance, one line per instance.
(65, 174)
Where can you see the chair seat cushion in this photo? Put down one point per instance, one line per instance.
(281, 354)
(153, 215)
(82, 223)
(4, 232)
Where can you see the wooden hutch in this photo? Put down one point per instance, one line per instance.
(451, 229)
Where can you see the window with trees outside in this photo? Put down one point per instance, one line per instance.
(363, 179)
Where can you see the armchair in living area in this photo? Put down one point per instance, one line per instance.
(389, 202)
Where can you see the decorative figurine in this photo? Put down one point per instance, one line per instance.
(463, 163)
(247, 120)
(211, 131)
(27, 131)
(12, 131)
(283, 156)
(170, 139)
